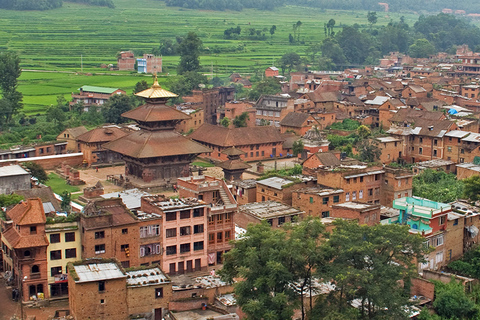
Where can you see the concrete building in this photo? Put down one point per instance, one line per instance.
(94, 96)
(126, 61)
(280, 189)
(364, 213)
(317, 201)
(149, 63)
(14, 178)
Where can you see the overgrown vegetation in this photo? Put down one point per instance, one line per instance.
(296, 170)
(437, 186)
(7, 200)
(346, 125)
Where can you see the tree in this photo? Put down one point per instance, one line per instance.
(66, 199)
(368, 151)
(363, 131)
(421, 48)
(262, 259)
(241, 120)
(37, 171)
(225, 122)
(184, 84)
(437, 186)
(57, 115)
(140, 86)
(189, 50)
(451, 301)
(472, 188)
(11, 101)
(272, 30)
(369, 263)
(115, 106)
(297, 147)
(289, 61)
(332, 50)
(372, 17)
(266, 86)
(297, 29)
(7, 200)
(329, 28)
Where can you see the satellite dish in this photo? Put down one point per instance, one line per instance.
(201, 85)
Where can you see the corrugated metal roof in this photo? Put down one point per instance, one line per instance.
(97, 272)
(147, 277)
(368, 173)
(98, 89)
(132, 198)
(14, 170)
(457, 134)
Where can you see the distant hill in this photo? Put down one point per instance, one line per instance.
(469, 6)
(48, 4)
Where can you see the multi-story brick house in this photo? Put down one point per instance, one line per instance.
(149, 63)
(271, 72)
(317, 201)
(299, 123)
(94, 96)
(258, 143)
(70, 135)
(272, 109)
(109, 230)
(397, 183)
(210, 100)
(183, 232)
(244, 191)
(102, 288)
(461, 146)
(196, 119)
(126, 61)
(221, 214)
(364, 213)
(428, 219)
(280, 189)
(391, 149)
(24, 248)
(275, 213)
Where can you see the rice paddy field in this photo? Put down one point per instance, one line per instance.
(73, 41)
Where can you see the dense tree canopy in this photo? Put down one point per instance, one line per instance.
(11, 100)
(115, 106)
(189, 50)
(437, 186)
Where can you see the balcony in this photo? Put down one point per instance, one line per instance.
(35, 275)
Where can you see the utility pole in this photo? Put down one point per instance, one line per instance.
(81, 63)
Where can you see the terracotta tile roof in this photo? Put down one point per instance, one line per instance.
(294, 119)
(73, 132)
(20, 242)
(236, 164)
(155, 112)
(413, 115)
(105, 134)
(225, 137)
(327, 159)
(151, 144)
(28, 212)
(233, 152)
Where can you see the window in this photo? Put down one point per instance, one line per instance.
(55, 270)
(434, 142)
(56, 255)
(354, 195)
(455, 222)
(198, 212)
(219, 218)
(281, 220)
(360, 194)
(311, 199)
(325, 200)
(439, 240)
(99, 234)
(325, 214)
(211, 238)
(227, 235)
(33, 230)
(171, 250)
(442, 220)
(158, 293)
(462, 151)
(219, 237)
(211, 220)
(228, 217)
(170, 216)
(54, 238)
(336, 199)
(150, 249)
(185, 231)
(361, 179)
(347, 196)
(198, 246)
(420, 150)
(170, 233)
(185, 247)
(185, 214)
(70, 253)
(101, 286)
(421, 139)
(150, 231)
(439, 257)
(370, 192)
(99, 248)
(434, 153)
(125, 231)
(69, 236)
(198, 228)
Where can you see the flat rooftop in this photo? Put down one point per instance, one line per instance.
(420, 206)
(98, 272)
(434, 163)
(320, 190)
(358, 206)
(14, 170)
(268, 209)
(147, 277)
(247, 184)
(132, 198)
(170, 205)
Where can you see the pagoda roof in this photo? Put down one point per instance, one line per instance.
(236, 164)
(156, 92)
(151, 112)
(233, 152)
(152, 144)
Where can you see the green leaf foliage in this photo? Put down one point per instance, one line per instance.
(437, 186)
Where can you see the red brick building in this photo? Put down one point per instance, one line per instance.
(126, 61)
(91, 145)
(24, 248)
(271, 72)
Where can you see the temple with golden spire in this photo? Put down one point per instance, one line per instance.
(156, 155)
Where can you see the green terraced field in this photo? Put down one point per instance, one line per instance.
(56, 40)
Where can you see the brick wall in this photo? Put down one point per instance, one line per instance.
(185, 305)
(142, 299)
(243, 220)
(422, 287)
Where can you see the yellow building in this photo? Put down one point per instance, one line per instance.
(65, 246)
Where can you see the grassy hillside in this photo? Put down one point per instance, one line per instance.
(55, 40)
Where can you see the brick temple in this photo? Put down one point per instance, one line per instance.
(156, 155)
